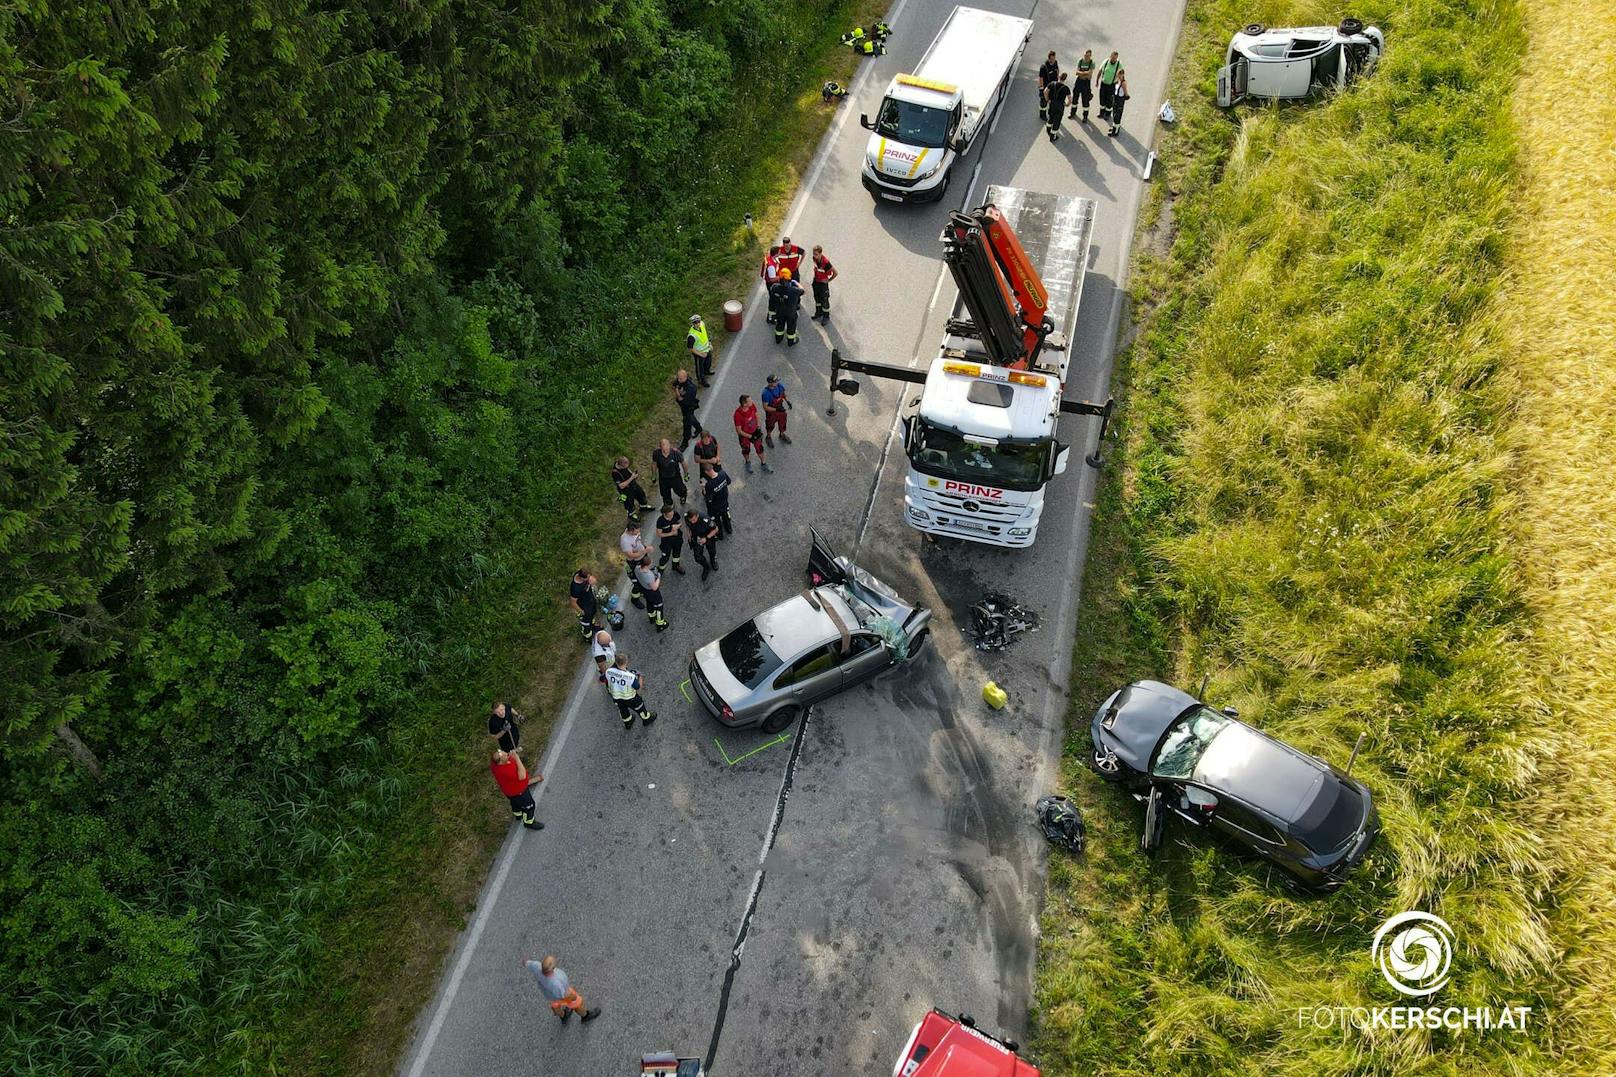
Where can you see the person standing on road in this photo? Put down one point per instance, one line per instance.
(700, 349)
(629, 491)
(684, 394)
(706, 450)
(1057, 95)
(747, 429)
(790, 257)
(787, 305)
(603, 649)
(1083, 85)
(775, 406)
(704, 536)
(564, 1000)
(771, 276)
(1048, 74)
(671, 472)
(625, 686)
(504, 726)
(1119, 97)
(670, 539)
(1108, 78)
(650, 581)
(824, 273)
(581, 596)
(715, 492)
(632, 546)
(517, 786)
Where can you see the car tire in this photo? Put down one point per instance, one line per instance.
(1252, 29)
(917, 646)
(1109, 768)
(783, 718)
(1350, 27)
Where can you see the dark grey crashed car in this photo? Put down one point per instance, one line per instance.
(1176, 753)
(845, 627)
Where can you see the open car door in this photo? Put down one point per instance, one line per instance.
(1232, 82)
(822, 566)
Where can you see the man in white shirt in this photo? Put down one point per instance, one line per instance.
(632, 544)
(604, 651)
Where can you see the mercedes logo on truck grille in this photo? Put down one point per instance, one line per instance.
(973, 506)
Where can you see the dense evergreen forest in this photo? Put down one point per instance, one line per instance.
(313, 317)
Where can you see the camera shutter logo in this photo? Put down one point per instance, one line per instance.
(1413, 951)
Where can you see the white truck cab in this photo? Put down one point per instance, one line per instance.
(981, 448)
(1295, 62)
(930, 118)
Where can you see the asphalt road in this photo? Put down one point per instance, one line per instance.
(797, 910)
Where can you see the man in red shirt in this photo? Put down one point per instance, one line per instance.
(516, 785)
(750, 431)
(770, 274)
(824, 273)
(790, 256)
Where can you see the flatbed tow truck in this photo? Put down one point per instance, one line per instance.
(982, 445)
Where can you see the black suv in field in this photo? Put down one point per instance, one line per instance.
(1178, 754)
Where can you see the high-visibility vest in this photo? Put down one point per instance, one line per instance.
(698, 333)
(620, 683)
(1108, 72)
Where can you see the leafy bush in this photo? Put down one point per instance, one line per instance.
(299, 303)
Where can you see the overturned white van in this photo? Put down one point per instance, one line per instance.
(1296, 62)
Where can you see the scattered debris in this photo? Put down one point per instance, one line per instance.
(998, 619)
(1061, 824)
(995, 696)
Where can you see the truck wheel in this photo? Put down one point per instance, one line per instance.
(1252, 29)
(782, 718)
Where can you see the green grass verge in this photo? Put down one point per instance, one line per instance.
(1310, 510)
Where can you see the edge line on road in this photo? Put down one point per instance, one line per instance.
(468, 945)
(488, 900)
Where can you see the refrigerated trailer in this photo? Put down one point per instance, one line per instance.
(983, 442)
(929, 119)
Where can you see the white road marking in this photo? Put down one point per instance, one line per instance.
(491, 898)
(512, 843)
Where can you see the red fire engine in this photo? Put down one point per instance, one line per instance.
(944, 1046)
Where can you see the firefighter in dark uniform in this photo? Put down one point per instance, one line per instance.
(715, 491)
(704, 536)
(787, 303)
(629, 491)
(824, 273)
(1048, 75)
(670, 539)
(684, 394)
(671, 472)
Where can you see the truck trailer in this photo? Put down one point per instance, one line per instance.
(982, 444)
(929, 119)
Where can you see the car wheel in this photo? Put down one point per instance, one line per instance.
(1350, 27)
(784, 717)
(1107, 765)
(1252, 29)
(918, 644)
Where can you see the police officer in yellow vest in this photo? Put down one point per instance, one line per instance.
(701, 349)
(624, 685)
